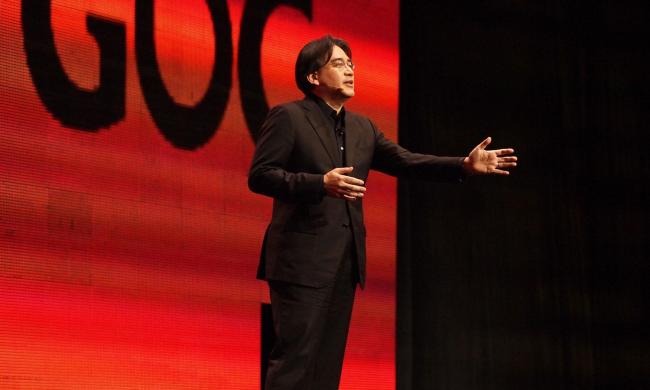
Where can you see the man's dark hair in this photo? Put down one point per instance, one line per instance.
(314, 56)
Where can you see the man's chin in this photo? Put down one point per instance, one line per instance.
(343, 93)
(347, 92)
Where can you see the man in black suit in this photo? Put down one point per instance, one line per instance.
(313, 158)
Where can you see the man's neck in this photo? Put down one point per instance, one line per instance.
(335, 104)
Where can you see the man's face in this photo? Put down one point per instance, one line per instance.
(336, 78)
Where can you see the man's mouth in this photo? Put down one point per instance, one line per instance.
(349, 83)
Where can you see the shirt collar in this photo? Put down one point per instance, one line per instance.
(328, 111)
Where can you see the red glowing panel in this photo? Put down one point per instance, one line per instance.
(128, 262)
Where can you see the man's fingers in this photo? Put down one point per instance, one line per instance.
(352, 180)
(485, 143)
(506, 164)
(354, 188)
(349, 179)
(499, 172)
(345, 178)
(500, 152)
(351, 191)
(339, 185)
(351, 195)
(507, 159)
(343, 170)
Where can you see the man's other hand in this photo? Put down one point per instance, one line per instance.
(339, 185)
(489, 162)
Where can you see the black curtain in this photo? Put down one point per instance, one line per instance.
(537, 280)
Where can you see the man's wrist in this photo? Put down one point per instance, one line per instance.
(467, 168)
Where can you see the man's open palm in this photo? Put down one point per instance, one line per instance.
(489, 162)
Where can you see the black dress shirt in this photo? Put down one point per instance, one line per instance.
(336, 122)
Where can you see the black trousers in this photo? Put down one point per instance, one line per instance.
(311, 327)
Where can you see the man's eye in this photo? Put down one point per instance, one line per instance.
(340, 64)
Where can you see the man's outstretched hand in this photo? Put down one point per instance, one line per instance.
(339, 185)
(489, 162)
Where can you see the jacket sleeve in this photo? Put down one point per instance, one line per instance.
(270, 173)
(395, 160)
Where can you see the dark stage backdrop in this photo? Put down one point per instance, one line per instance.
(535, 281)
(129, 240)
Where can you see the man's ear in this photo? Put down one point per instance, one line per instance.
(313, 78)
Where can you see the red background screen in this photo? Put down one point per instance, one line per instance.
(127, 262)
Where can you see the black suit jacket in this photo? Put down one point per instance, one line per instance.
(305, 240)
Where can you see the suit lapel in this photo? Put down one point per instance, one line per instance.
(352, 133)
(325, 134)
